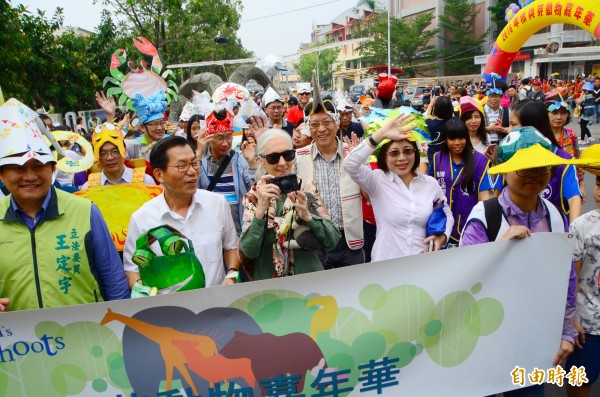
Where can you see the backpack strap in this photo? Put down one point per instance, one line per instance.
(220, 171)
(493, 217)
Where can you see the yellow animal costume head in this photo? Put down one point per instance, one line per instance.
(108, 132)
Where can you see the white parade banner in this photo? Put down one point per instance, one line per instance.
(448, 323)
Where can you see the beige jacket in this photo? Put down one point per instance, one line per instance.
(351, 198)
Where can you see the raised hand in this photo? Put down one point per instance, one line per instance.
(249, 152)
(396, 128)
(258, 125)
(107, 104)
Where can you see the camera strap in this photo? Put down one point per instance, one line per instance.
(220, 170)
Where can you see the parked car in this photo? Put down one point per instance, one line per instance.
(416, 97)
(355, 91)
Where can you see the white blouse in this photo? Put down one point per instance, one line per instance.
(401, 212)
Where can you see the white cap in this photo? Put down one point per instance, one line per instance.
(303, 87)
(21, 136)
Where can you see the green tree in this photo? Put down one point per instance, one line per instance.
(308, 62)
(184, 30)
(497, 12)
(27, 43)
(410, 43)
(461, 43)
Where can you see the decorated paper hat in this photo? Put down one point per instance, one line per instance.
(318, 105)
(387, 86)
(21, 136)
(524, 148)
(303, 87)
(269, 96)
(188, 111)
(107, 132)
(227, 94)
(553, 105)
(221, 121)
(202, 102)
(341, 104)
(139, 81)
(150, 108)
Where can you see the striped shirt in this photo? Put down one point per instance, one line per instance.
(327, 181)
(225, 184)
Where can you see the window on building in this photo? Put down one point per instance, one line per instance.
(568, 26)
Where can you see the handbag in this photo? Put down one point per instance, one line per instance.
(437, 220)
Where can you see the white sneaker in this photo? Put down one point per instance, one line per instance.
(591, 139)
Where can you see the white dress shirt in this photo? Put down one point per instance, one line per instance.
(208, 224)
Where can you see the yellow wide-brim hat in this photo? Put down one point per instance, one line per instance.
(591, 159)
(534, 156)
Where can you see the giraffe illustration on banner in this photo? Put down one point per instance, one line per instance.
(167, 339)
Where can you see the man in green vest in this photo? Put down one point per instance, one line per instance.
(61, 251)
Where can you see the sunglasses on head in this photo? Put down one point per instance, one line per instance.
(273, 158)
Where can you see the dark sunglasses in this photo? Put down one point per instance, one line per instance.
(273, 158)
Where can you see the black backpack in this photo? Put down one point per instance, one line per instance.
(493, 217)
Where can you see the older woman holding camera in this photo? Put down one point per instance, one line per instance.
(403, 199)
(284, 222)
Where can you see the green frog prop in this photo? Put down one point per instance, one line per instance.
(178, 264)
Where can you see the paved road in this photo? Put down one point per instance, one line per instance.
(589, 205)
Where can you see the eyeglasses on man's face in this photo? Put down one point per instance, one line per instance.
(184, 167)
(304, 93)
(314, 125)
(114, 153)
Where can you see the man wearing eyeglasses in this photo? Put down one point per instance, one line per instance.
(321, 163)
(201, 216)
(273, 107)
(237, 175)
(496, 116)
(296, 113)
(57, 250)
(109, 152)
(151, 124)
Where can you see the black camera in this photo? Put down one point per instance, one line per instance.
(287, 183)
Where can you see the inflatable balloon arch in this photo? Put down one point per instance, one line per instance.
(529, 17)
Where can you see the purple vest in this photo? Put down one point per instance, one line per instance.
(461, 203)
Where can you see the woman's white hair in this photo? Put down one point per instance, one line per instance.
(269, 135)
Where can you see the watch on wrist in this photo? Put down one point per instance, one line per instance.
(373, 141)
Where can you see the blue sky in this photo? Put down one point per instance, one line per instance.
(280, 35)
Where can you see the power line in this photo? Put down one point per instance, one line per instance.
(289, 12)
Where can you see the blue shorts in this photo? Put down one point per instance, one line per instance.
(588, 357)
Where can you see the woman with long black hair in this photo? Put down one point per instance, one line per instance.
(461, 171)
(563, 190)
